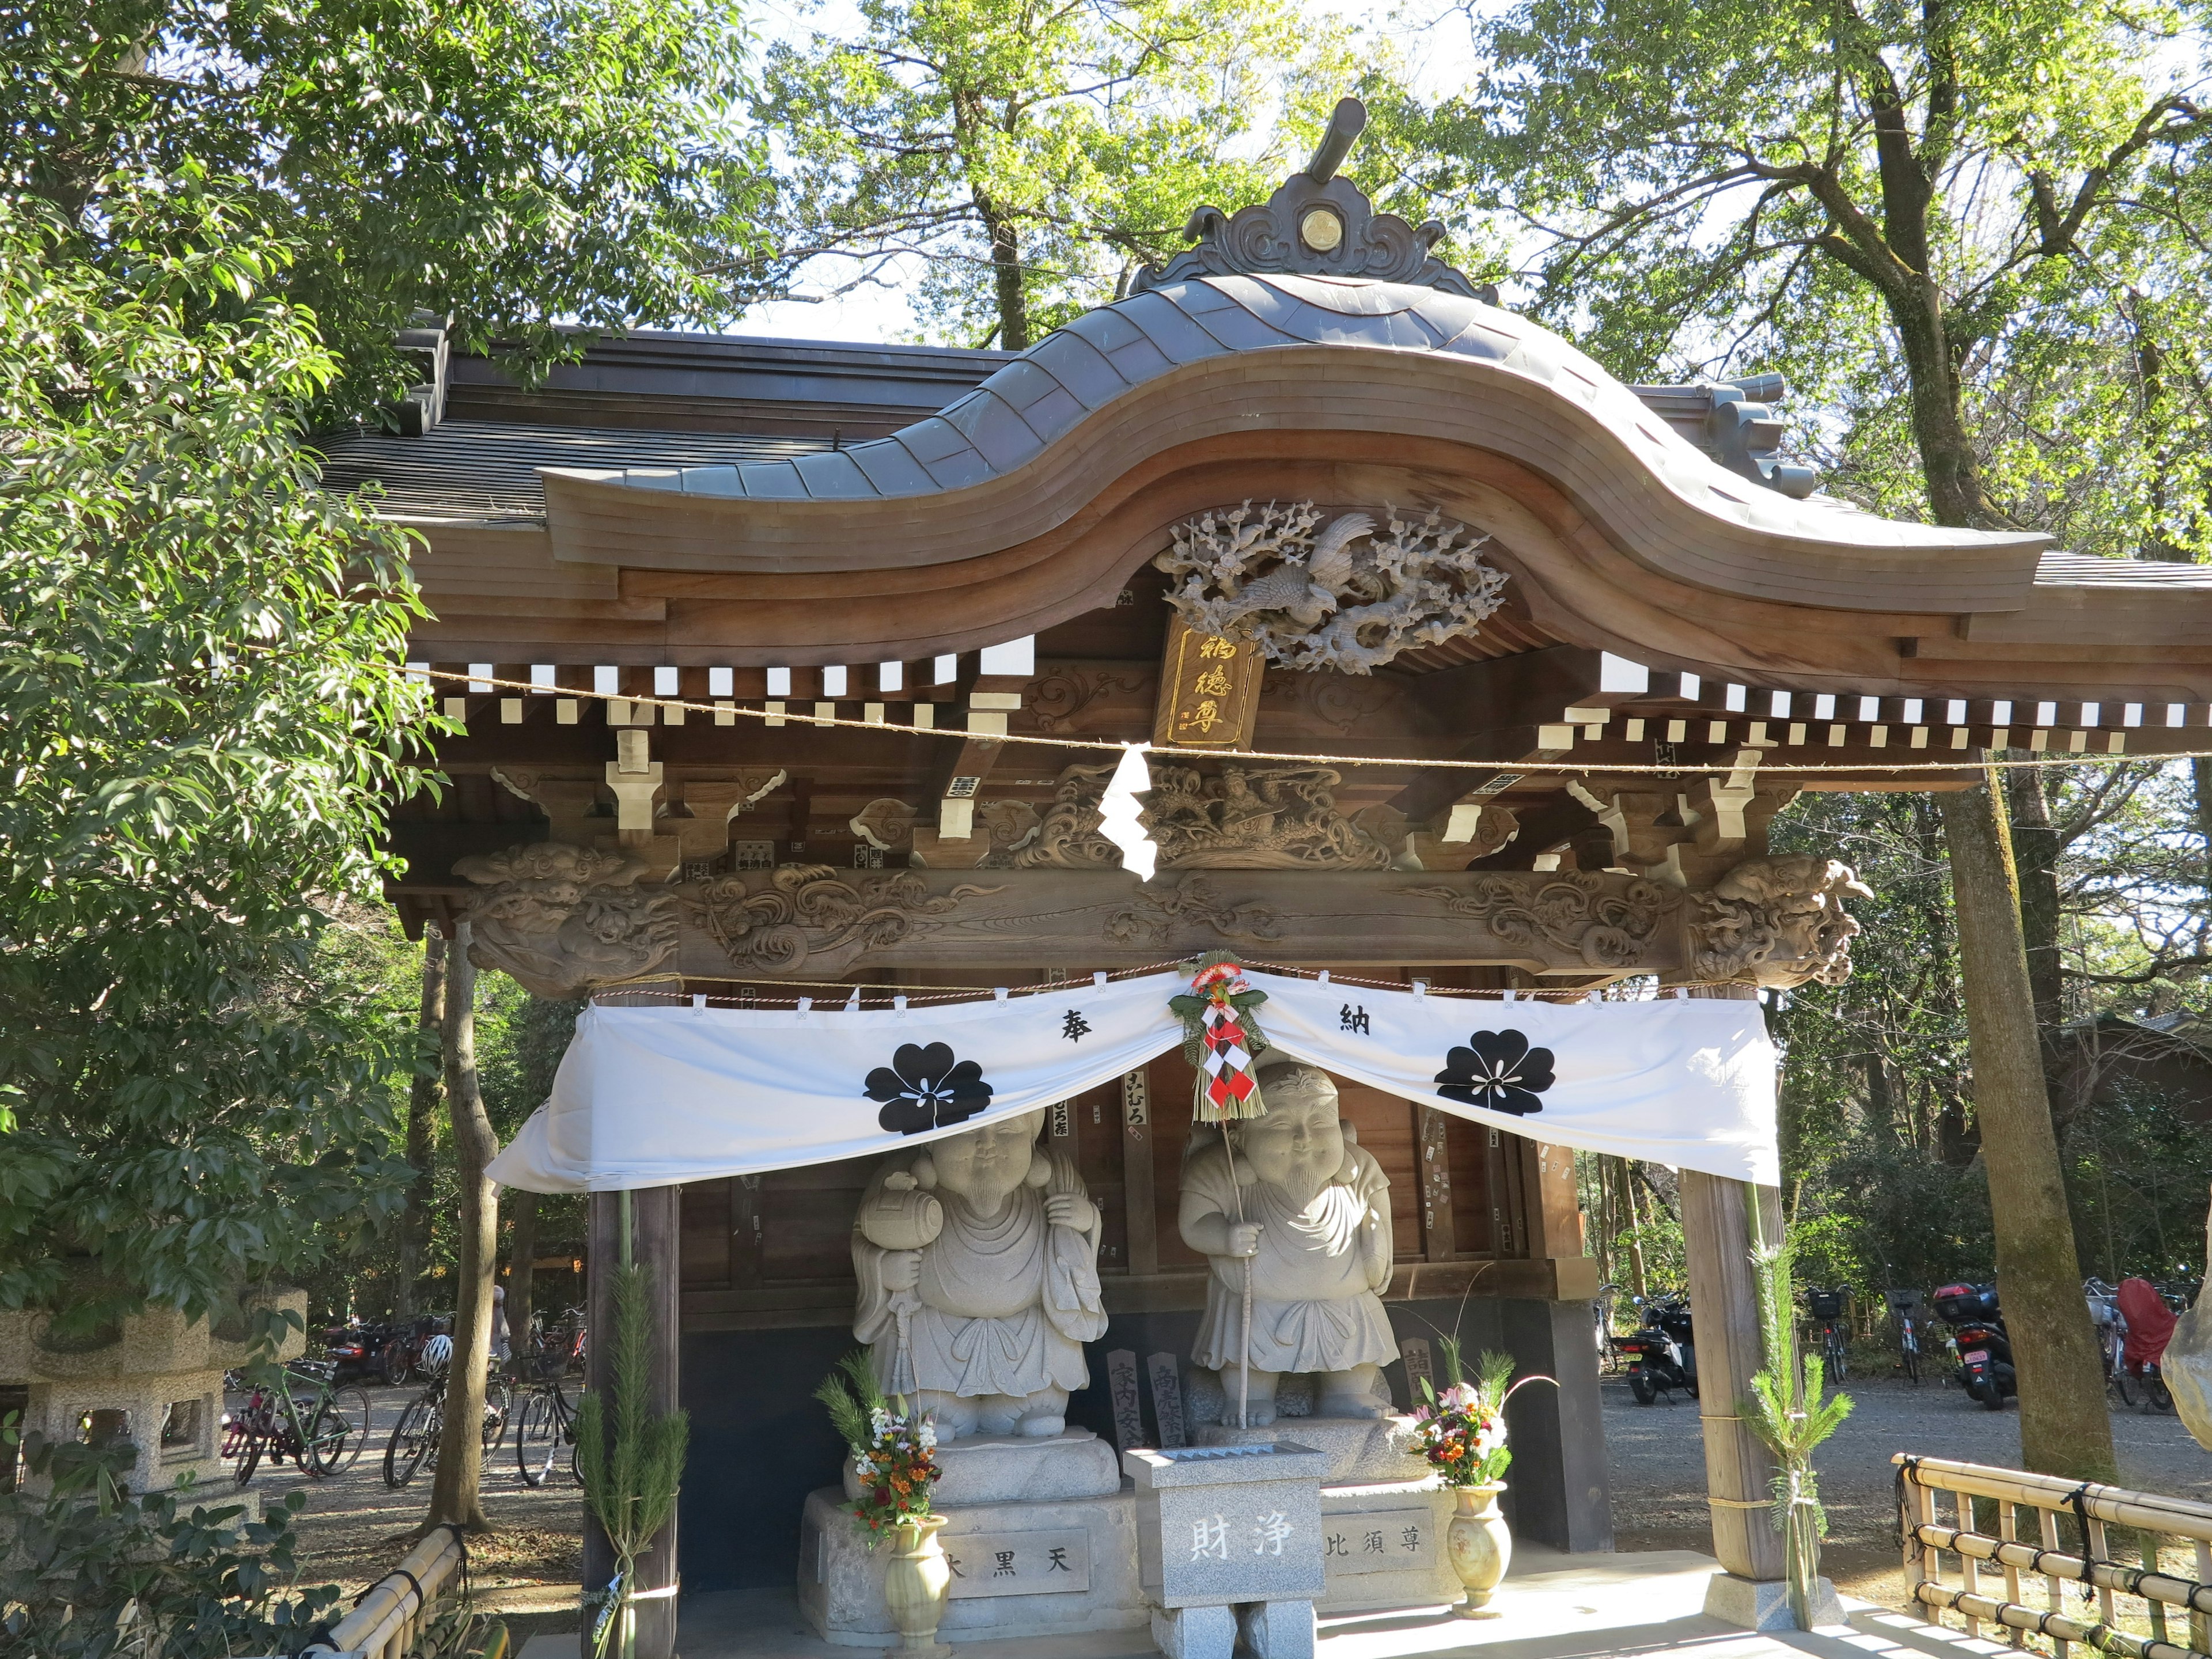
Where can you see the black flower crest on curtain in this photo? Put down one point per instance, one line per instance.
(1498, 1071)
(925, 1088)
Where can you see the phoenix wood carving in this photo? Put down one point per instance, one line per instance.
(1310, 596)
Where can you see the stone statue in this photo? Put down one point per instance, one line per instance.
(1315, 1230)
(978, 1263)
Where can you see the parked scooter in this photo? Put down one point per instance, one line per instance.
(1978, 1332)
(1662, 1355)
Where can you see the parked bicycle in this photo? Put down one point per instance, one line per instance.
(321, 1426)
(1828, 1308)
(1909, 1309)
(544, 1421)
(413, 1443)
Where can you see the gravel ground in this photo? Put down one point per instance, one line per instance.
(1657, 1461)
(356, 1529)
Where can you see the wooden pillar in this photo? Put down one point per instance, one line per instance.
(1716, 1238)
(657, 1219)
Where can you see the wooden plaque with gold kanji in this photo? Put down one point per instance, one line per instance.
(1209, 690)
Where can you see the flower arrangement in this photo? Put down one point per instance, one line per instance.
(894, 1448)
(1461, 1432)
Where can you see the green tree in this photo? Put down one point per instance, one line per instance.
(1960, 201)
(1940, 215)
(199, 726)
(1031, 155)
(519, 167)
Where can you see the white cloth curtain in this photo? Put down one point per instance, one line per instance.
(651, 1097)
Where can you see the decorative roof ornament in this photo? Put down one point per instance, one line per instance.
(1316, 225)
(1310, 598)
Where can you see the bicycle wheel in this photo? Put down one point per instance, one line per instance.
(537, 1437)
(1838, 1358)
(249, 1452)
(2124, 1386)
(1912, 1353)
(414, 1437)
(499, 1399)
(340, 1429)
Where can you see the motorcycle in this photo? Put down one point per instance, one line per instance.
(1662, 1355)
(384, 1352)
(1977, 1334)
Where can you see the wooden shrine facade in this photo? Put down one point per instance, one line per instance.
(776, 667)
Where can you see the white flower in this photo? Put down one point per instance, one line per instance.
(879, 1422)
(929, 1434)
(1458, 1397)
(863, 1468)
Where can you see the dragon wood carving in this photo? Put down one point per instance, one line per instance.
(1275, 818)
(814, 916)
(1311, 598)
(1778, 923)
(1607, 922)
(1154, 914)
(562, 918)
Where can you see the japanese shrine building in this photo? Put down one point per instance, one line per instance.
(947, 551)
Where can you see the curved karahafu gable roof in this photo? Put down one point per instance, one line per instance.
(1120, 389)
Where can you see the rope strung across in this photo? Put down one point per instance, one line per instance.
(1675, 769)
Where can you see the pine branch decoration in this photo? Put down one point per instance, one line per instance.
(631, 1483)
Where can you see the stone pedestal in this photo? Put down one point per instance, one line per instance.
(1762, 1604)
(1383, 1514)
(1046, 1568)
(1013, 1468)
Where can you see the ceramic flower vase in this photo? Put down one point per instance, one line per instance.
(1481, 1546)
(916, 1580)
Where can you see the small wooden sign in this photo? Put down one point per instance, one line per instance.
(1166, 1378)
(1419, 1367)
(1129, 1405)
(1209, 690)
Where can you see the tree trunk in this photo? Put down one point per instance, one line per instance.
(1948, 462)
(460, 1448)
(421, 1148)
(2064, 1429)
(1007, 271)
(521, 1270)
(1636, 1282)
(2200, 775)
(2035, 845)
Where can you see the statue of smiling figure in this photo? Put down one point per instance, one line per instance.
(977, 1257)
(1315, 1229)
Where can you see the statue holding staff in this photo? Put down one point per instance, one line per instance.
(1294, 1204)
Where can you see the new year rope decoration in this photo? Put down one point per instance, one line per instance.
(1221, 1039)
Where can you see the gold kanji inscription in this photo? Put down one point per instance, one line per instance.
(1209, 690)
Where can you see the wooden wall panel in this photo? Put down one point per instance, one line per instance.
(807, 1221)
(705, 1243)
